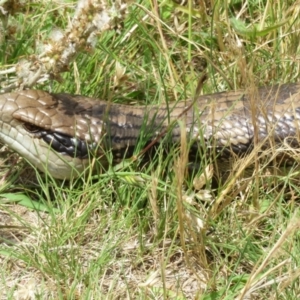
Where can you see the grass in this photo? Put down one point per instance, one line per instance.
(156, 231)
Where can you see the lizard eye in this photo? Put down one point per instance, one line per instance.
(31, 128)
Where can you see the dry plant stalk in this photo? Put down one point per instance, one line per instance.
(91, 18)
(256, 274)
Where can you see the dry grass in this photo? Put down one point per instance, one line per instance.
(159, 231)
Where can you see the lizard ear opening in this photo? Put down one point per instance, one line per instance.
(31, 128)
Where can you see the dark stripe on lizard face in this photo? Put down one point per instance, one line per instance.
(61, 143)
